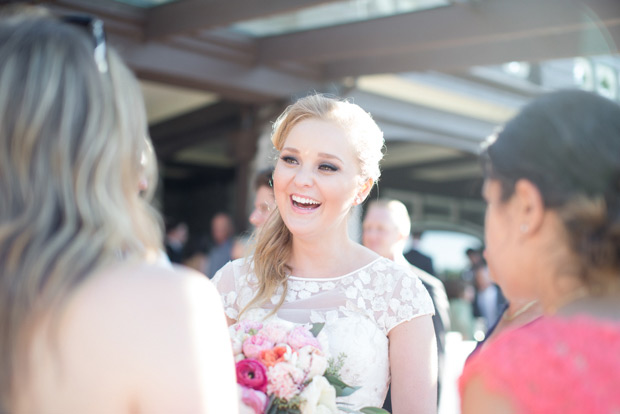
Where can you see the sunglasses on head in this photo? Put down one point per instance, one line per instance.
(94, 27)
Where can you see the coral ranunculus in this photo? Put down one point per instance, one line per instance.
(270, 357)
(252, 374)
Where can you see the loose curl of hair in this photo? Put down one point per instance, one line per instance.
(567, 143)
(71, 143)
(273, 241)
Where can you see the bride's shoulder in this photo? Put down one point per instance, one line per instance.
(239, 271)
(387, 266)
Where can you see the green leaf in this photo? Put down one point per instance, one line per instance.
(317, 328)
(347, 410)
(342, 389)
(373, 410)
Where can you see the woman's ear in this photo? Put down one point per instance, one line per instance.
(530, 206)
(364, 191)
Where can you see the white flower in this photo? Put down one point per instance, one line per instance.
(379, 304)
(312, 287)
(319, 397)
(295, 285)
(394, 304)
(312, 361)
(230, 298)
(405, 312)
(368, 294)
(358, 284)
(328, 286)
(291, 296)
(351, 292)
(237, 345)
(304, 294)
(406, 294)
(406, 282)
(364, 276)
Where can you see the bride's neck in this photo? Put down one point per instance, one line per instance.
(316, 260)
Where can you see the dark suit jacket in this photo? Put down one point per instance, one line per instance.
(420, 260)
(441, 322)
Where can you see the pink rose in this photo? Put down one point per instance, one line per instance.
(253, 346)
(300, 336)
(252, 374)
(252, 401)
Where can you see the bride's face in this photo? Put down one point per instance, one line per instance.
(316, 179)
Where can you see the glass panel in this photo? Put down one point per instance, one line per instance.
(333, 14)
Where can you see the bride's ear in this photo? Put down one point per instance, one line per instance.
(364, 191)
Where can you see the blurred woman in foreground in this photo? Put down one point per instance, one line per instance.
(88, 321)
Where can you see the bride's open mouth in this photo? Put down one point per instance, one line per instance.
(304, 203)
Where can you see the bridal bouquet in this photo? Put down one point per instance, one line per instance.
(283, 369)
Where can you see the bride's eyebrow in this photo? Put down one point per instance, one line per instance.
(320, 154)
(330, 156)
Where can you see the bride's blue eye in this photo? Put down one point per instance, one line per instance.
(328, 167)
(288, 159)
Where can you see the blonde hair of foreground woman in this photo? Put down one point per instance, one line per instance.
(87, 324)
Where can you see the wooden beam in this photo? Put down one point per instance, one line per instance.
(191, 16)
(584, 42)
(176, 66)
(467, 25)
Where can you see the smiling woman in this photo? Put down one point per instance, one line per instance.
(307, 270)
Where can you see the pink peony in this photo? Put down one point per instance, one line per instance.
(284, 380)
(252, 401)
(300, 336)
(275, 332)
(253, 346)
(252, 374)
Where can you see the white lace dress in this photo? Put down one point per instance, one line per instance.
(359, 309)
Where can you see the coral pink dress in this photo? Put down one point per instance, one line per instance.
(568, 365)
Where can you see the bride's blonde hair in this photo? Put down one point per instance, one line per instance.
(71, 144)
(273, 241)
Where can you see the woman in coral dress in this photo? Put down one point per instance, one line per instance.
(553, 232)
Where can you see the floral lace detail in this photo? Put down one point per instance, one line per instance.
(359, 310)
(554, 365)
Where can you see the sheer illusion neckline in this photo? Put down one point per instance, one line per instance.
(327, 279)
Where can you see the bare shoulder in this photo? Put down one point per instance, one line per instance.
(144, 286)
(140, 302)
(133, 331)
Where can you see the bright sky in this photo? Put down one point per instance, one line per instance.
(447, 249)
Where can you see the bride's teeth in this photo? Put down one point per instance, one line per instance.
(302, 200)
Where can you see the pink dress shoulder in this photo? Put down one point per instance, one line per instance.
(554, 365)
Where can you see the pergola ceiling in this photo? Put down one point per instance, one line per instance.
(190, 42)
(432, 78)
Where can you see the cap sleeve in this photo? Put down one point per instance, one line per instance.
(409, 299)
(226, 284)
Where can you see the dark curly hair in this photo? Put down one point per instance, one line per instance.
(567, 143)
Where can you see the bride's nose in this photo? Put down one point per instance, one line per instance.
(304, 177)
